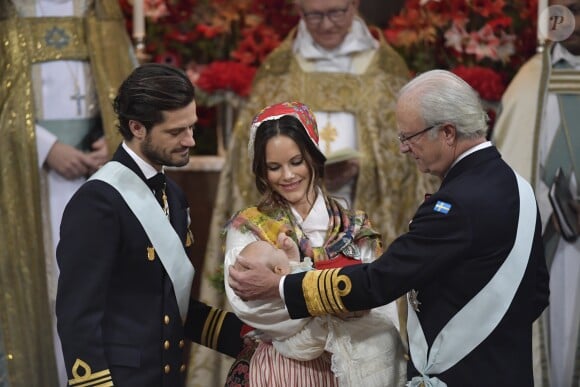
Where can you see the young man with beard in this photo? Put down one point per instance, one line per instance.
(123, 300)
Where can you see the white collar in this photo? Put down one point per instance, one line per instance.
(317, 211)
(315, 225)
(144, 166)
(358, 39)
(471, 150)
(559, 52)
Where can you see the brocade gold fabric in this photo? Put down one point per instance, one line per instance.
(99, 37)
(389, 188)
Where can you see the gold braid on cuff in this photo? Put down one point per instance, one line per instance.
(212, 328)
(323, 291)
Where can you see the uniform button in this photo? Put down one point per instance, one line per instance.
(166, 344)
(166, 319)
(182, 368)
(181, 343)
(167, 368)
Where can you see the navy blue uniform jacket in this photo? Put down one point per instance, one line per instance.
(448, 258)
(117, 313)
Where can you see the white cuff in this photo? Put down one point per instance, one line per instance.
(281, 288)
(44, 142)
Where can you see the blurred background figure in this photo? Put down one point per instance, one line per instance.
(538, 132)
(61, 59)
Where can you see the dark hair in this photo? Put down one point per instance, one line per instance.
(291, 127)
(147, 92)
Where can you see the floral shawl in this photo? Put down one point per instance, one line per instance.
(347, 231)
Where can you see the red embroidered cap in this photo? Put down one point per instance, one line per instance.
(296, 109)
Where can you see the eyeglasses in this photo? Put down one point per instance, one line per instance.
(405, 139)
(334, 15)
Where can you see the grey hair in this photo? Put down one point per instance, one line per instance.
(446, 98)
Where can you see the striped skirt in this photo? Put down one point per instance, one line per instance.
(270, 369)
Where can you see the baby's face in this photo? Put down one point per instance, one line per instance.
(264, 253)
(279, 260)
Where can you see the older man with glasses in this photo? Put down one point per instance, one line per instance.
(349, 76)
(472, 263)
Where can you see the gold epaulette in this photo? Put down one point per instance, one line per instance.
(212, 328)
(564, 81)
(323, 291)
(84, 376)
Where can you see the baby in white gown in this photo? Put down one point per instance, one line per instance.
(364, 350)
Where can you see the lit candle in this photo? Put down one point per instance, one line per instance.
(138, 20)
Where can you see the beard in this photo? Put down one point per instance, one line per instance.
(167, 157)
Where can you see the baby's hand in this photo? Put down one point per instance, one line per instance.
(289, 246)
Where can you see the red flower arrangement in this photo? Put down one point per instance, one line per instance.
(488, 83)
(227, 75)
(482, 41)
(219, 42)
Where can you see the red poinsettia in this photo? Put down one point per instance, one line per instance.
(488, 83)
(227, 75)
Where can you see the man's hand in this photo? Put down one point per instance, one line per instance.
(253, 282)
(99, 155)
(68, 161)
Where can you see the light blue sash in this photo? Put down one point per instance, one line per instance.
(481, 315)
(165, 240)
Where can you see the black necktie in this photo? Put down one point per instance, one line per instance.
(157, 184)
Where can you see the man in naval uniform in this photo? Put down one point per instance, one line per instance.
(61, 61)
(349, 77)
(472, 262)
(538, 131)
(124, 302)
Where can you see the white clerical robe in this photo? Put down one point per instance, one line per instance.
(514, 134)
(54, 84)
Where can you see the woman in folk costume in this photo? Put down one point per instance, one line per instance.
(288, 167)
(349, 76)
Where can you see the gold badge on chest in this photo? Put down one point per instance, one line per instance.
(150, 253)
